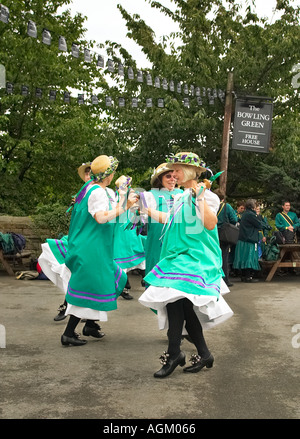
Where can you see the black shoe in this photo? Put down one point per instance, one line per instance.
(75, 340)
(198, 363)
(125, 295)
(169, 365)
(61, 313)
(93, 331)
(251, 279)
(229, 284)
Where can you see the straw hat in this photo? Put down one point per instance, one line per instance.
(186, 158)
(81, 170)
(161, 169)
(103, 166)
(123, 181)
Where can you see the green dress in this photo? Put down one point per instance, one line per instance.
(190, 265)
(96, 280)
(164, 200)
(129, 252)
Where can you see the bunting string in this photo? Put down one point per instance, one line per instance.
(182, 91)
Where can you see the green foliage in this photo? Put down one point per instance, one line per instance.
(42, 143)
(53, 219)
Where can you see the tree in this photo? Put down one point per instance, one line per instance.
(43, 141)
(217, 37)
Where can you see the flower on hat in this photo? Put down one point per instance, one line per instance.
(102, 167)
(186, 158)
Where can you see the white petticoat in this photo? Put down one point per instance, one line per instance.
(60, 275)
(210, 310)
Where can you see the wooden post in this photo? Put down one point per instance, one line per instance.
(226, 132)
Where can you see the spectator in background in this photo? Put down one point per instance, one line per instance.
(287, 223)
(240, 210)
(246, 251)
(263, 233)
(225, 213)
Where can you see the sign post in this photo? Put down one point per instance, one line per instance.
(252, 124)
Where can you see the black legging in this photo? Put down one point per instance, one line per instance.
(178, 312)
(73, 322)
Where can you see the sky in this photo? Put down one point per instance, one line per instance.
(105, 22)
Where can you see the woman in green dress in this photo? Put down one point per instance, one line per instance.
(161, 198)
(95, 280)
(185, 285)
(246, 250)
(129, 252)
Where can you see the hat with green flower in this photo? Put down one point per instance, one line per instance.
(187, 158)
(102, 167)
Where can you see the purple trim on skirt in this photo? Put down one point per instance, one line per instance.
(178, 276)
(58, 243)
(113, 296)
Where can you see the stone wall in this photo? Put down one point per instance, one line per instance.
(24, 226)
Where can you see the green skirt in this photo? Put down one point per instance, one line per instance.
(246, 256)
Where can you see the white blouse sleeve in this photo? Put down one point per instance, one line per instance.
(212, 200)
(98, 200)
(150, 200)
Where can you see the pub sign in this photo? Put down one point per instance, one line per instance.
(252, 124)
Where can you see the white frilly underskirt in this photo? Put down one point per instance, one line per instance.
(59, 274)
(210, 310)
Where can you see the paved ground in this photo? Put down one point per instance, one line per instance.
(255, 374)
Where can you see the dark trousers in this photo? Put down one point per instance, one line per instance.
(178, 312)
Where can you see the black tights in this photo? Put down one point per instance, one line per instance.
(73, 322)
(178, 312)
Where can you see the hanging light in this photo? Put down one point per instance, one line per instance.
(31, 29)
(130, 73)
(171, 86)
(24, 90)
(52, 95)
(149, 102)
(4, 13)
(165, 84)
(75, 50)
(121, 69)
(139, 76)
(62, 44)
(87, 55)
(186, 102)
(100, 61)
(110, 65)
(67, 97)
(9, 88)
(149, 79)
(46, 37)
(108, 101)
(160, 103)
(80, 98)
(2, 76)
(134, 102)
(156, 82)
(121, 102)
(38, 93)
(95, 100)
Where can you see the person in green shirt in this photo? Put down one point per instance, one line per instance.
(246, 252)
(287, 222)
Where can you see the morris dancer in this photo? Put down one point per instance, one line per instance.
(185, 285)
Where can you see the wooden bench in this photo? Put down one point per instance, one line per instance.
(8, 260)
(289, 256)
